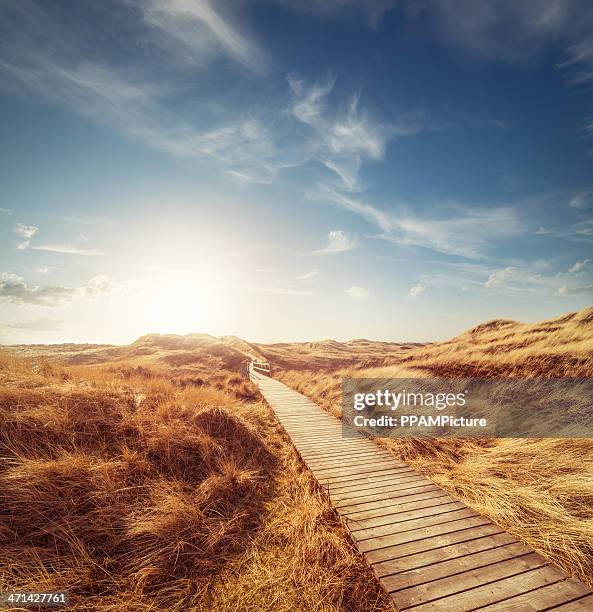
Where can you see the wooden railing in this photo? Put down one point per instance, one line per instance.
(261, 367)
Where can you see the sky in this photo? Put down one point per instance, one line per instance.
(290, 170)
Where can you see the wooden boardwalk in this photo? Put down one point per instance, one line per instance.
(428, 550)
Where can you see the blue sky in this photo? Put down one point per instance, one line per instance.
(286, 170)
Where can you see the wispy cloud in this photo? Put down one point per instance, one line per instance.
(581, 231)
(462, 230)
(578, 266)
(246, 149)
(67, 249)
(26, 232)
(582, 200)
(506, 30)
(383, 220)
(198, 31)
(498, 277)
(126, 95)
(578, 69)
(415, 291)
(314, 273)
(579, 290)
(5, 211)
(343, 139)
(579, 61)
(338, 241)
(358, 293)
(14, 289)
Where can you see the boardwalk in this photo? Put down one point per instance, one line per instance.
(428, 550)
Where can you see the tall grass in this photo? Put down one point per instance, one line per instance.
(134, 491)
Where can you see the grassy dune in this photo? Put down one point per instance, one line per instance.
(134, 489)
(540, 490)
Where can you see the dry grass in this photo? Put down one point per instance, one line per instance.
(136, 491)
(555, 348)
(541, 490)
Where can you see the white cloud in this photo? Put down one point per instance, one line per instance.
(581, 290)
(314, 273)
(68, 249)
(14, 289)
(582, 200)
(382, 220)
(498, 277)
(501, 29)
(338, 241)
(581, 231)
(358, 293)
(580, 62)
(541, 231)
(26, 232)
(44, 269)
(198, 31)
(467, 231)
(578, 266)
(415, 291)
(5, 211)
(246, 149)
(341, 140)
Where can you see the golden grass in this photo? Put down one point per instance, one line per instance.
(541, 490)
(555, 348)
(135, 491)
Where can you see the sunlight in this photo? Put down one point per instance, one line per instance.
(179, 309)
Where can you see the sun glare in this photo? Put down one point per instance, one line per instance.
(179, 310)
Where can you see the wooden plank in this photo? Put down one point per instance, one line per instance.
(362, 535)
(333, 452)
(432, 499)
(485, 579)
(348, 460)
(493, 591)
(377, 465)
(356, 477)
(390, 495)
(470, 519)
(481, 528)
(453, 567)
(373, 486)
(566, 595)
(397, 484)
(426, 558)
(404, 516)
